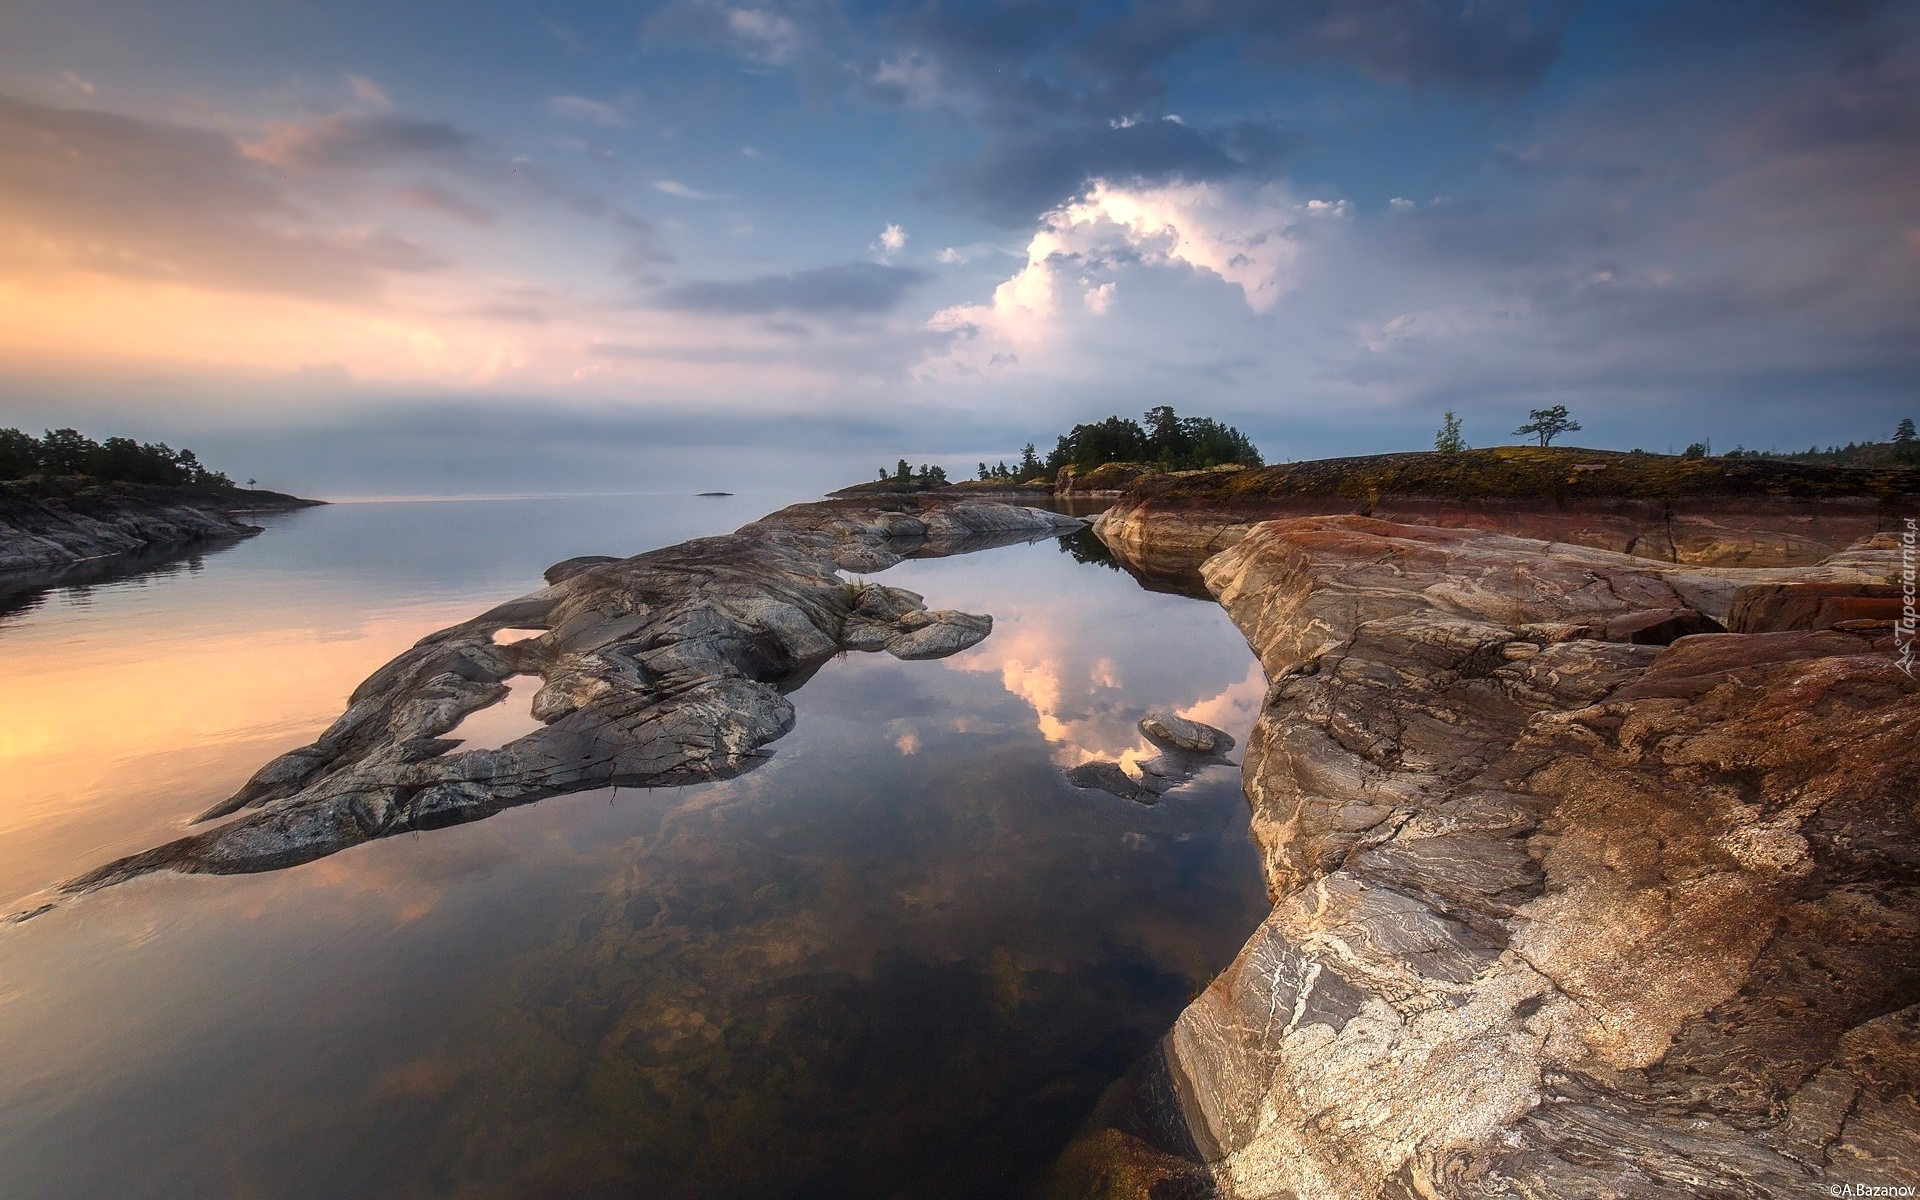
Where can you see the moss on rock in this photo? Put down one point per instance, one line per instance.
(1559, 473)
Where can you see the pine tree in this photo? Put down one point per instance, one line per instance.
(1548, 424)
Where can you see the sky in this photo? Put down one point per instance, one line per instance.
(440, 247)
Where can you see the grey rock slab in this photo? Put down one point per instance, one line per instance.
(664, 668)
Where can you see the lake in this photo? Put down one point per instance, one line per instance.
(904, 957)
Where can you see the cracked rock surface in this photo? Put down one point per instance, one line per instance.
(1559, 910)
(1168, 541)
(668, 667)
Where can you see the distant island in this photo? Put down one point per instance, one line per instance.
(1162, 440)
(714, 493)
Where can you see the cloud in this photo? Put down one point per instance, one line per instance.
(850, 288)
(674, 187)
(1081, 62)
(441, 201)
(767, 34)
(70, 81)
(761, 35)
(1246, 237)
(892, 241)
(356, 142)
(366, 91)
(115, 196)
(1468, 46)
(590, 112)
(1014, 177)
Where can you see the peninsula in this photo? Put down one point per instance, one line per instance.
(72, 507)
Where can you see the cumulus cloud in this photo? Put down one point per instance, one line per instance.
(1246, 237)
(892, 241)
(850, 288)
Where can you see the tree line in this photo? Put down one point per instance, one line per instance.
(1162, 438)
(116, 460)
(926, 476)
(1902, 450)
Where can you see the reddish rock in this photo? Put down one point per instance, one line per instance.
(1558, 912)
(1774, 608)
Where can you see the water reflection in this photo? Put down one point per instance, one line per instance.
(901, 959)
(127, 705)
(21, 593)
(1083, 657)
(501, 722)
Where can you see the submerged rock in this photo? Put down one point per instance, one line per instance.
(664, 668)
(1569, 899)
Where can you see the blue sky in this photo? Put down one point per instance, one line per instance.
(354, 247)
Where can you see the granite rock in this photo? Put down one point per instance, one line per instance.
(1559, 910)
(664, 668)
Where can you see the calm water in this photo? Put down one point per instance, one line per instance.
(903, 958)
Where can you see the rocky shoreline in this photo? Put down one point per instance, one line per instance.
(48, 528)
(1594, 873)
(1576, 892)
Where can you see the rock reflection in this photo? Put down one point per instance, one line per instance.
(856, 972)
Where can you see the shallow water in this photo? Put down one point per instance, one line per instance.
(903, 958)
